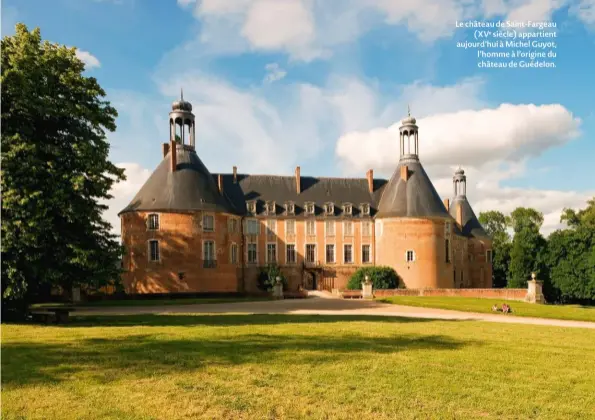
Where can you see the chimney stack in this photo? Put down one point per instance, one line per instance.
(220, 182)
(446, 202)
(298, 180)
(404, 173)
(459, 214)
(174, 155)
(370, 176)
(165, 149)
(235, 174)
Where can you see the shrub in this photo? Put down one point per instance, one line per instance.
(381, 277)
(268, 276)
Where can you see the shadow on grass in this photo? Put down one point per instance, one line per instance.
(181, 351)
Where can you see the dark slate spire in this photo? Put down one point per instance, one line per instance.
(469, 223)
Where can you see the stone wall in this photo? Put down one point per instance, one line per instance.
(506, 294)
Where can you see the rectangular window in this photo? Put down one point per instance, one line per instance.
(348, 228)
(290, 255)
(330, 227)
(311, 227)
(232, 225)
(489, 255)
(366, 228)
(290, 227)
(310, 253)
(447, 228)
(348, 253)
(271, 227)
(208, 254)
(153, 222)
(310, 208)
(366, 254)
(233, 254)
(330, 254)
(208, 223)
(271, 253)
(447, 249)
(252, 255)
(410, 257)
(252, 227)
(153, 250)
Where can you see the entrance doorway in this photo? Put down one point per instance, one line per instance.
(314, 281)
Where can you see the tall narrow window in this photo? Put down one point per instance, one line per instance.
(290, 255)
(153, 222)
(252, 227)
(447, 249)
(208, 223)
(153, 250)
(330, 227)
(410, 256)
(252, 253)
(310, 227)
(290, 227)
(462, 278)
(271, 227)
(233, 254)
(232, 225)
(348, 228)
(310, 253)
(348, 253)
(366, 254)
(366, 228)
(489, 255)
(271, 253)
(330, 254)
(208, 254)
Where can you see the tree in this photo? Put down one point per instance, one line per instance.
(55, 169)
(527, 253)
(495, 225)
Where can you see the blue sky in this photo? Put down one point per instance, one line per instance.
(323, 85)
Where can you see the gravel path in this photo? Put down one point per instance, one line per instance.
(320, 306)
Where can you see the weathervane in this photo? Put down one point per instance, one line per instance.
(408, 110)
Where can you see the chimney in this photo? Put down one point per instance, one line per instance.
(298, 180)
(220, 182)
(165, 149)
(404, 173)
(446, 202)
(370, 176)
(235, 174)
(459, 214)
(174, 155)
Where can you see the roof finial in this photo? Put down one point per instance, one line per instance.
(408, 110)
(182, 94)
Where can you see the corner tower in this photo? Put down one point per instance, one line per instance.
(412, 223)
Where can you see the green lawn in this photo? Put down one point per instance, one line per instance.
(158, 302)
(299, 367)
(570, 312)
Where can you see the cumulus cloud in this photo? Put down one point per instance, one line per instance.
(584, 10)
(274, 73)
(89, 59)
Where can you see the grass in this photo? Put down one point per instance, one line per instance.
(156, 302)
(295, 366)
(568, 312)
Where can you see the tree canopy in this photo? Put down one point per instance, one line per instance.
(55, 169)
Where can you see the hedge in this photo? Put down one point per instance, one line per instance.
(381, 277)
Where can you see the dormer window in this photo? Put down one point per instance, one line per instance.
(365, 209)
(290, 207)
(329, 209)
(347, 209)
(309, 208)
(270, 207)
(251, 206)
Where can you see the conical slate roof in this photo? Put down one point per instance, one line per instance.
(189, 187)
(470, 224)
(415, 197)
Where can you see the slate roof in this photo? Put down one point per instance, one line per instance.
(190, 187)
(470, 224)
(415, 197)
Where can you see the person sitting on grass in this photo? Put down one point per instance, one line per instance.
(505, 308)
(495, 308)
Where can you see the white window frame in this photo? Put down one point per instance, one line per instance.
(369, 253)
(232, 225)
(270, 207)
(149, 222)
(294, 253)
(268, 260)
(334, 261)
(329, 209)
(369, 225)
(149, 250)
(289, 222)
(254, 222)
(447, 229)
(233, 246)
(204, 217)
(352, 254)
(310, 208)
(348, 209)
(306, 253)
(290, 207)
(326, 229)
(313, 221)
(345, 223)
(204, 248)
(407, 260)
(365, 209)
(251, 206)
(271, 232)
(255, 253)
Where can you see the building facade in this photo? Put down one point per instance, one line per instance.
(188, 230)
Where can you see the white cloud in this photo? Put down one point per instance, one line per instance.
(89, 59)
(585, 11)
(274, 73)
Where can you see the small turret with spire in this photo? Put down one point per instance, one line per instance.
(409, 138)
(181, 122)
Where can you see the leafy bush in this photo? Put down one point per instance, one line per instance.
(381, 277)
(268, 276)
